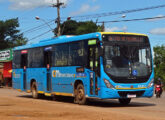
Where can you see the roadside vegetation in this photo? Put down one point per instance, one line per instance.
(10, 35)
(72, 27)
(159, 62)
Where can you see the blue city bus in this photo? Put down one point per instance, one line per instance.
(102, 65)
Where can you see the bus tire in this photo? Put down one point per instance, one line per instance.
(75, 97)
(80, 95)
(35, 94)
(125, 101)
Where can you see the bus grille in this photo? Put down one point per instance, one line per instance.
(124, 94)
(126, 80)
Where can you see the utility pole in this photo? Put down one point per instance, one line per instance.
(58, 17)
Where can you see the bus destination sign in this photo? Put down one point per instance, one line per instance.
(125, 38)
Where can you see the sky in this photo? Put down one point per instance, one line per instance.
(27, 10)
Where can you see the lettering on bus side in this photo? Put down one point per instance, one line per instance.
(57, 73)
(16, 75)
(81, 75)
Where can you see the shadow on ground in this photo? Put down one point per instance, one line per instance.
(93, 102)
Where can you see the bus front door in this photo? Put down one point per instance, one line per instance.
(93, 64)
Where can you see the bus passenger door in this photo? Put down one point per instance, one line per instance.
(93, 65)
(47, 62)
(24, 66)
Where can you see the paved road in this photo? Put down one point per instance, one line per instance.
(16, 105)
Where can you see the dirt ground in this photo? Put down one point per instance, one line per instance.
(16, 105)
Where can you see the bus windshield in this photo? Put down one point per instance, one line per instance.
(126, 56)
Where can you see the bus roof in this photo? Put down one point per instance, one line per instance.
(123, 33)
(65, 39)
(58, 40)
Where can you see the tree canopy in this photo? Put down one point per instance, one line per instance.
(10, 36)
(159, 62)
(72, 27)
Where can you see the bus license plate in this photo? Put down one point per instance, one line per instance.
(131, 96)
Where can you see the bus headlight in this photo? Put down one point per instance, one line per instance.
(108, 84)
(151, 83)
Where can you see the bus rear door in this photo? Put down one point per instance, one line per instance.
(23, 67)
(47, 62)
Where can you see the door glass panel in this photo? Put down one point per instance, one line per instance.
(93, 65)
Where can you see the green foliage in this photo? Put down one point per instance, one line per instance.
(159, 62)
(10, 36)
(68, 27)
(72, 27)
(86, 27)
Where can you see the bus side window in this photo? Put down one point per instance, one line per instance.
(16, 59)
(35, 58)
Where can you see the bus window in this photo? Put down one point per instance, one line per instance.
(35, 58)
(60, 55)
(77, 54)
(16, 59)
(72, 54)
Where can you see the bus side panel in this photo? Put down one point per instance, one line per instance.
(63, 79)
(39, 75)
(17, 79)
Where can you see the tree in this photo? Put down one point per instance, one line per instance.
(159, 62)
(86, 27)
(10, 36)
(71, 27)
(68, 27)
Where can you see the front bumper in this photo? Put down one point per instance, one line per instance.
(107, 93)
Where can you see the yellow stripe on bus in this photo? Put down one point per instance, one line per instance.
(41, 92)
(28, 91)
(55, 93)
(63, 94)
(122, 33)
(19, 90)
(48, 94)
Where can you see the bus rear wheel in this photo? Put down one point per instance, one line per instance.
(125, 101)
(80, 95)
(35, 94)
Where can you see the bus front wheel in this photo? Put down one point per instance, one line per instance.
(80, 95)
(34, 90)
(125, 101)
